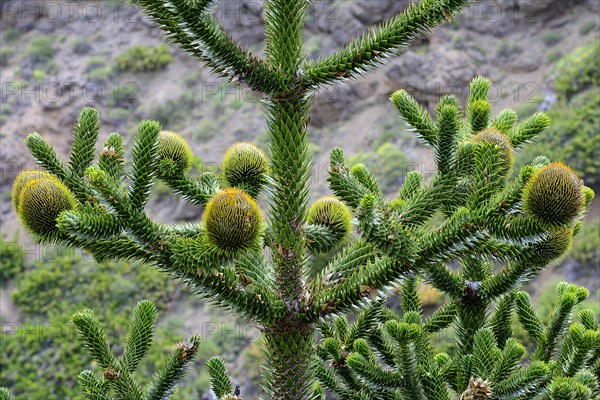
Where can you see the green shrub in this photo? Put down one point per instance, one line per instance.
(95, 62)
(421, 49)
(587, 27)
(113, 4)
(11, 258)
(81, 46)
(578, 70)
(459, 39)
(313, 45)
(40, 50)
(38, 75)
(11, 35)
(206, 130)
(6, 54)
(506, 49)
(5, 112)
(387, 163)
(554, 56)
(144, 58)
(97, 69)
(101, 74)
(67, 281)
(393, 164)
(551, 38)
(586, 245)
(52, 68)
(174, 114)
(47, 293)
(118, 115)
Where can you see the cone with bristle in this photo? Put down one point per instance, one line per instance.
(174, 154)
(232, 220)
(499, 139)
(245, 166)
(332, 213)
(478, 389)
(554, 194)
(555, 244)
(41, 200)
(22, 179)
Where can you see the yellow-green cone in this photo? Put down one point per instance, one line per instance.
(555, 244)
(496, 137)
(41, 201)
(554, 194)
(245, 166)
(332, 213)
(232, 219)
(22, 179)
(174, 154)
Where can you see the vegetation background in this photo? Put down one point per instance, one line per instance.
(56, 58)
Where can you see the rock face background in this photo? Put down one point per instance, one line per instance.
(514, 42)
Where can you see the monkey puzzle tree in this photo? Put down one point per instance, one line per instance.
(256, 263)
